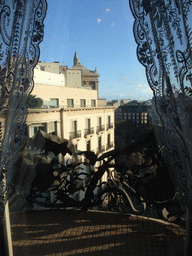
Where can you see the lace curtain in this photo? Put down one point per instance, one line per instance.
(21, 30)
(163, 32)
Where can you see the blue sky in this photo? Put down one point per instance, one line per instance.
(101, 33)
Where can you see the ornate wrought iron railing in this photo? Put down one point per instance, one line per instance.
(100, 128)
(100, 149)
(109, 145)
(118, 191)
(109, 126)
(89, 131)
(75, 135)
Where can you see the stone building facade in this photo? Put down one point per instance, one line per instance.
(71, 107)
(139, 114)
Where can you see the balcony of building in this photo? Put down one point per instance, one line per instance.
(73, 232)
(100, 128)
(109, 126)
(100, 149)
(74, 135)
(89, 131)
(109, 145)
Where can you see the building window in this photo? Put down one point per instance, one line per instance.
(74, 132)
(108, 139)
(74, 126)
(109, 143)
(100, 147)
(88, 123)
(88, 128)
(93, 103)
(70, 103)
(92, 84)
(36, 127)
(100, 127)
(82, 103)
(99, 121)
(99, 143)
(109, 124)
(54, 103)
(88, 145)
(109, 119)
(51, 128)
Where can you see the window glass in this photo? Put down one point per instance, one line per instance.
(99, 121)
(88, 145)
(74, 126)
(82, 103)
(99, 142)
(108, 138)
(88, 123)
(93, 103)
(70, 103)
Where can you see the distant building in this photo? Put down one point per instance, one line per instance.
(101, 102)
(138, 113)
(119, 102)
(89, 77)
(75, 77)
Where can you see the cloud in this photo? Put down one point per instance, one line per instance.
(123, 95)
(144, 88)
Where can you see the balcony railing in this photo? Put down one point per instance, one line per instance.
(100, 149)
(100, 128)
(89, 131)
(109, 126)
(109, 145)
(74, 135)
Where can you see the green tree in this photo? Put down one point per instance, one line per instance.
(34, 102)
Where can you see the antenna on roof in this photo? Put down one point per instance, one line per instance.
(51, 58)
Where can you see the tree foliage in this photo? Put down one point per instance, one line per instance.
(34, 102)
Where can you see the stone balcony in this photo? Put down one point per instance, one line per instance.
(73, 232)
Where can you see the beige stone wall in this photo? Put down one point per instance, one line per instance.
(65, 117)
(74, 78)
(101, 102)
(80, 116)
(43, 77)
(42, 116)
(52, 67)
(47, 92)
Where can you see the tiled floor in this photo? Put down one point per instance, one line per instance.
(72, 232)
